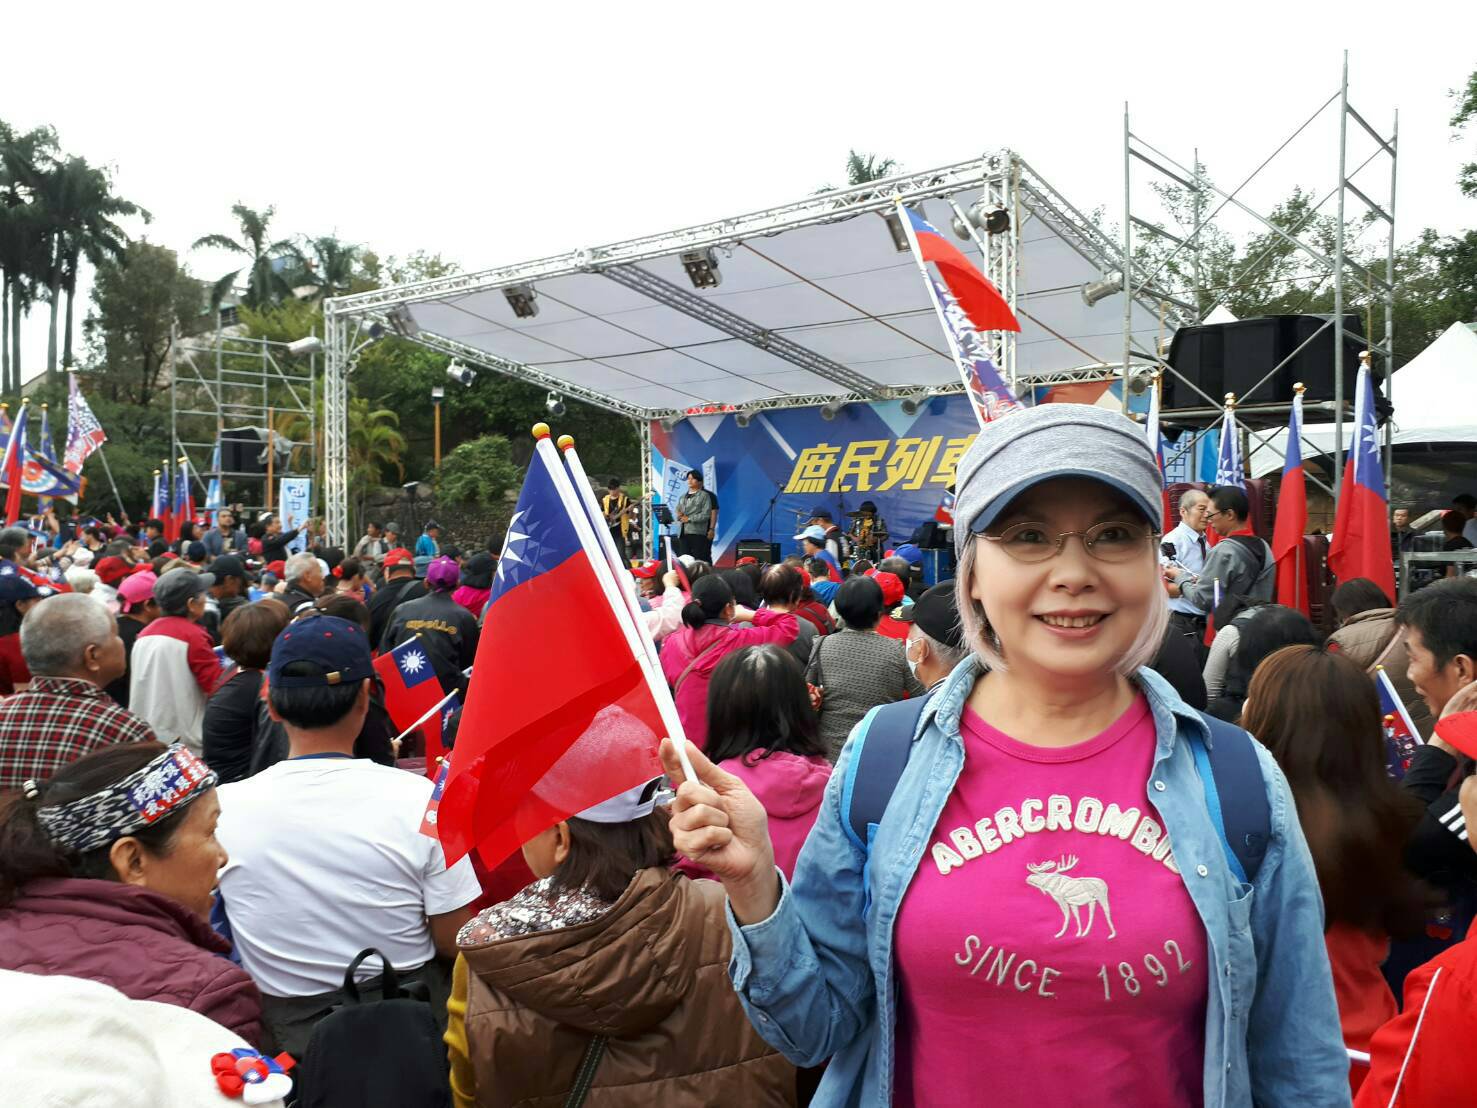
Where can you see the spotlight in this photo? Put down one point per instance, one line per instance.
(913, 404)
(376, 331)
(1101, 290)
(702, 268)
(831, 411)
(523, 300)
(555, 405)
(895, 228)
(438, 394)
(305, 347)
(461, 374)
(745, 417)
(403, 323)
(997, 222)
(1139, 380)
(975, 214)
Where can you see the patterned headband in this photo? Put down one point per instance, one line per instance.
(167, 784)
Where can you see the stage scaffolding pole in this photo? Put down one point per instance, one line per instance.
(1127, 255)
(1390, 315)
(1338, 288)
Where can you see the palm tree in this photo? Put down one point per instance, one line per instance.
(328, 265)
(862, 168)
(90, 232)
(21, 234)
(265, 283)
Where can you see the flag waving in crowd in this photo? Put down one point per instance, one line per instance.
(1229, 469)
(1361, 533)
(411, 691)
(84, 433)
(12, 463)
(1292, 517)
(563, 721)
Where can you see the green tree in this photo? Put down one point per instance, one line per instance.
(137, 302)
(22, 238)
(329, 267)
(480, 471)
(265, 283)
(862, 169)
(1466, 112)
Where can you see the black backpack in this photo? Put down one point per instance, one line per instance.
(385, 1053)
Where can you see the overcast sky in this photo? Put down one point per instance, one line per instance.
(494, 133)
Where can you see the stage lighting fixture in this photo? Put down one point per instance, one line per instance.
(402, 322)
(745, 417)
(305, 347)
(1101, 290)
(669, 423)
(1139, 380)
(555, 405)
(997, 222)
(462, 375)
(975, 214)
(831, 411)
(702, 268)
(895, 228)
(376, 331)
(913, 403)
(523, 300)
(438, 394)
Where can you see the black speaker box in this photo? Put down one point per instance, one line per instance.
(768, 553)
(241, 452)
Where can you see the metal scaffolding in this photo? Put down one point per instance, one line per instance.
(219, 382)
(1336, 266)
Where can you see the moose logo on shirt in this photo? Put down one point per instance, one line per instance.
(1071, 893)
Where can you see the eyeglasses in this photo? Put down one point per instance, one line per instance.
(1114, 541)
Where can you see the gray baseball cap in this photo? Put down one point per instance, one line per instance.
(1012, 454)
(177, 587)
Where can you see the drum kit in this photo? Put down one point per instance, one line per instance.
(868, 533)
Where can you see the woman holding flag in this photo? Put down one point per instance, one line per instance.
(1051, 873)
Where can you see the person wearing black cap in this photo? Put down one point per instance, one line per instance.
(17, 597)
(227, 593)
(429, 544)
(935, 643)
(326, 850)
(173, 668)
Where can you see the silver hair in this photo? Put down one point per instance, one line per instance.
(57, 632)
(298, 565)
(1188, 497)
(981, 638)
(948, 656)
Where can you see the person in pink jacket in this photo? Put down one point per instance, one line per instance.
(762, 729)
(712, 631)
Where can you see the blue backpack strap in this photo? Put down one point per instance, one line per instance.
(1229, 769)
(877, 764)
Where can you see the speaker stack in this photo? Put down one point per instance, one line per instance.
(767, 553)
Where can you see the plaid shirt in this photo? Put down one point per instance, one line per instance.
(58, 721)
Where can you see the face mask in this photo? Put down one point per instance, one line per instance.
(908, 657)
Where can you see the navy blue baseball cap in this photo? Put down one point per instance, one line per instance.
(337, 650)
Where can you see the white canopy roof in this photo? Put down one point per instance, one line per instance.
(1435, 401)
(815, 303)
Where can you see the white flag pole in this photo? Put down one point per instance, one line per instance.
(966, 374)
(634, 628)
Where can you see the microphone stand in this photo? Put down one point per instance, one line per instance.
(769, 514)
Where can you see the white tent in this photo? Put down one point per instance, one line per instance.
(1435, 401)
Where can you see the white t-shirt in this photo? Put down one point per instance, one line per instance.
(327, 858)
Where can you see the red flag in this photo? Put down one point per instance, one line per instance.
(984, 305)
(559, 723)
(1292, 519)
(1361, 531)
(10, 467)
(411, 690)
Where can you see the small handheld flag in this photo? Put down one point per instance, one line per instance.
(1292, 516)
(1360, 546)
(412, 692)
(1229, 469)
(1401, 737)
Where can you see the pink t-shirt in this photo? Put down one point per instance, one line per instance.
(1047, 949)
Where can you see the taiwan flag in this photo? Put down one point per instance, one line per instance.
(159, 501)
(1401, 736)
(1361, 530)
(1292, 519)
(554, 722)
(1156, 444)
(944, 513)
(984, 305)
(183, 508)
(411, 690)
(10, 467)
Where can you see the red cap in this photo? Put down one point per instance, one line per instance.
(113, 569)
(647, 570)
(892, 588)
(276, 568)
(398, 557)
(747, 560)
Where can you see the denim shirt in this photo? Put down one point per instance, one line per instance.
(817, 976)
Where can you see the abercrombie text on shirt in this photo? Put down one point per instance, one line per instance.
(1048, 940)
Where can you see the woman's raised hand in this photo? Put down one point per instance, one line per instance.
(718, 822)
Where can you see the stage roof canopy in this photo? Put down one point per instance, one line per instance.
(815, 304)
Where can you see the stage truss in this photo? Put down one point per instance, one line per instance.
(816, 306)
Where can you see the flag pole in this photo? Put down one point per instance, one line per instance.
(114, 484)
(965, 372)
(643, 649)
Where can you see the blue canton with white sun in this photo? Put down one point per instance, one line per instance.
(540, 534)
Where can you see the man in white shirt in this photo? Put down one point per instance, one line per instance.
(327, 857)
(1466, 503)
(1190, 549)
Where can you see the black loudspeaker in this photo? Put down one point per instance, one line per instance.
(1235, 357)
(241, 452)
(768, 553)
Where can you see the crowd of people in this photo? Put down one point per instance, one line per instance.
(1017, 816)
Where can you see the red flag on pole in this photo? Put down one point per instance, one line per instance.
(559, 723)
(1361, 531)
(1292, 518)
(10, 466)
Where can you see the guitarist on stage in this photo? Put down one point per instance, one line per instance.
(616, 506)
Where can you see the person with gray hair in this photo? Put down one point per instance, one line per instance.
(302, 576)
(174, 668)
(1185, 546)
(71, 646)
(933, 624)
(1053, 814)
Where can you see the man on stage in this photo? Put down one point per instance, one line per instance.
(697, 512)
(616, 506)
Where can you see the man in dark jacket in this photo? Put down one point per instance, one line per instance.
(275, 540)
(400, 586)
(446, 629)
(225, 537)
(304, 577)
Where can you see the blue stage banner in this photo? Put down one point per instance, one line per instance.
(771, 474)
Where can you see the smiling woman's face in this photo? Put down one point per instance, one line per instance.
(1072, 615)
